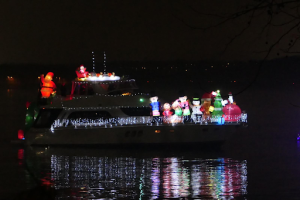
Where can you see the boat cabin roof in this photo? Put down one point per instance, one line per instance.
(89, 87)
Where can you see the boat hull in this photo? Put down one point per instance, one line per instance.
(132, 135)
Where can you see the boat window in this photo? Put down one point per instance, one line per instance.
(89, 114)
(117, 92)
(90, 90)
(83, 89)
(121, 86)
(79, 90)
(134, 111)
(112, 87)
(125, 85)
(46, 118)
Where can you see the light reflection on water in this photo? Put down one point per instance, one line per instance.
(140, 177)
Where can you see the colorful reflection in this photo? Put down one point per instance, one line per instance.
(144, 178)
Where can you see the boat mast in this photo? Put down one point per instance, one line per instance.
(93, 58)
(104, 63)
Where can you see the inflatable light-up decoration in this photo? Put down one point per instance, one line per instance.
(177, 108)
(218, 106)
(185, 106)
(206, 105)
(48, 86)
(177, 117)
(232, 113)
(155, 105)
(230, 98)
(81, 72)
(167, 113)
(244, 117)
(197, 114)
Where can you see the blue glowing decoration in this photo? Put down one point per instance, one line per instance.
(221, 120)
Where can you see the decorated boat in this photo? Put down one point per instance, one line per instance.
(105, 109)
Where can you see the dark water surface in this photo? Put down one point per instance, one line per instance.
(261, 161)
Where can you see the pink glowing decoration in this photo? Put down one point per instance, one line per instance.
(232, 113)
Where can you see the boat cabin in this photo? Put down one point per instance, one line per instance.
(91, 87)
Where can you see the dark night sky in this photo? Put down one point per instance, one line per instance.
(66, 31)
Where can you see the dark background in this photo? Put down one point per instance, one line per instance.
(64, 32)
(37, 37)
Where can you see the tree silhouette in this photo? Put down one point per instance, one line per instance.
(279, 20)
(276, 23)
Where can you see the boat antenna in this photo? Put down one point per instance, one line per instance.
(104, 63)
(93, 58)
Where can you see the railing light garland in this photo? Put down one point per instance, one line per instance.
(144, 120)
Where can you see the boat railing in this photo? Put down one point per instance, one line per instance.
(58, 99)
(149, 120)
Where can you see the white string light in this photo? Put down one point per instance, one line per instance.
(93, 61)
(141, 120)
(110, 95)
(106, 82)
(104, 63)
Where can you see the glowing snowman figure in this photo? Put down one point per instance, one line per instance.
(196, 114)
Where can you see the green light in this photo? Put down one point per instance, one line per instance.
(141, 100)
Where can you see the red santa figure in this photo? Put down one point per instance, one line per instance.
(81, 72)
(48, 86)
